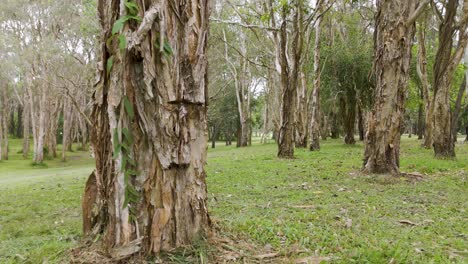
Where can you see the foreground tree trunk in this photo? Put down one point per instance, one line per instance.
(393, 41)
(444, 68)
(149, 133)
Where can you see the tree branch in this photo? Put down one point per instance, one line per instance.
(417, 12)
(250, 26)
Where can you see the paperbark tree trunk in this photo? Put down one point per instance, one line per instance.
(150, 129)
(289, 79)
(348, 112)
(314, 128)
(19, 126)
(421, 68)
(444, 68)
(361, 124)
(302, 113)
(4, 123)
(420, 128)
(26, 124)
(457, 108)
(241, 83)
(393, 41)
(325, 130)
(335, 125)
(41, 129)
(67, 124)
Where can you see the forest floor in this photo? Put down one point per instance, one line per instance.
(315, 207)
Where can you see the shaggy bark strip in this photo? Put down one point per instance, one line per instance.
(151, 194)
(393, 41)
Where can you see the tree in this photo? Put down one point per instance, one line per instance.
(422, 71)
(314, 128)
(149, 134)
(4, 107)
(394, 31)
(445, 65)
(290, 67)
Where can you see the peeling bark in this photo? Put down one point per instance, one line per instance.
(168, 93)
(393, 41)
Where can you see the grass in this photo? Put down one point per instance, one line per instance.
(316, 204)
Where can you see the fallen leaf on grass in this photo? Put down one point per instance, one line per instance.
(312, 260)
(268, 255)
(407, 222)
(304, 206)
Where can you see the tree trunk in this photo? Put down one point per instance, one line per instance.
(289, 80)
(41, 129)
(66, 133)
(213, 137)
(361, 124)
(19, 126)
(324, 133)
(26, 125)
(421, 68)
(4, 123)
(150, 130)
(444, 68)
(466, 132)
(335, 125)
(420, 125)
(12, 125)
(456, 110)
(314, 128)
(348, 112)
(393, 41)
(302, 113)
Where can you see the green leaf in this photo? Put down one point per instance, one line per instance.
(119, 24)
(125, 146)
(122, 42)
(132, 172)
(110, 63)
(136, 18)
(124, 163)
(128, 107)
(167, 48)
(127, 135)
(132, 8)
(117, 149)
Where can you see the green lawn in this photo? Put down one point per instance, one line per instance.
(314, 205)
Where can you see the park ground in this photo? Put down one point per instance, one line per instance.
(265, 210)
